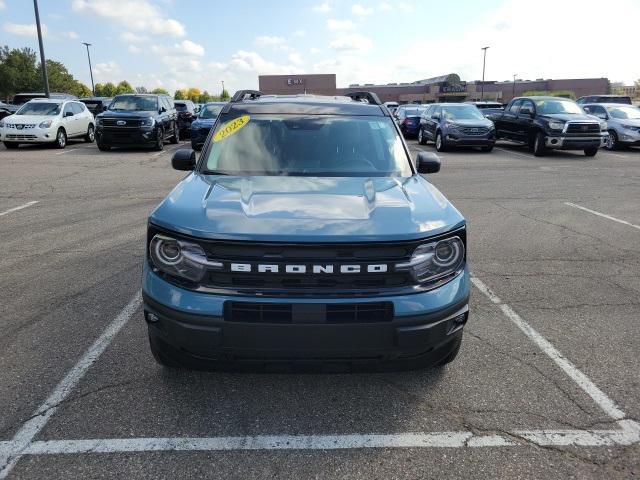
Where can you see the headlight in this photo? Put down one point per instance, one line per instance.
(99, 121)
(556, 125)
(436, 260)
(492, 127)
(1, 123)
(452, 125)
(147, 122)
(180, 258)
(631, 127)
(604, 126)
(45, 124)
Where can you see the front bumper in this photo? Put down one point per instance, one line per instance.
(567, 142)
(422, 329)
(461, 140)
(128, 137)
(199, 134)
(628, 137)
(28, 135)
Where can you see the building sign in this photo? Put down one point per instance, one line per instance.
(453, 88)
(295, 81)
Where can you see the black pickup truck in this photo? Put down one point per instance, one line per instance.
(545, 123)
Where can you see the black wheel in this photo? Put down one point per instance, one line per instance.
(539, 148)
(102, 147)
(159, 146)
(612, 141)
(422, 139)
(487, 149)
(61, 139)
(453, 353)
(11, 145)
(591, 152)
(195, 147)
(161, 353)
(176, 135)
(91, 134)
(441, 146)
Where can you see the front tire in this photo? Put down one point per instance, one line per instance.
(159, 146)
(91, 134)
(590, 152)
(61, 139)
(441, 146)
(11, 145)
(422, 139)
(612, 142)
(539, 148)
(176, 135)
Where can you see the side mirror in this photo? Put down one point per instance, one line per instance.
(526, 111)
(435, 116)
(162, 110)
(68, 114)
(428, 162)
(184, 159)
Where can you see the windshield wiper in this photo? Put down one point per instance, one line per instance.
(214, 172)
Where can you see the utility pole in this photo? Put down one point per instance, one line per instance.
(43, 62)
(514, 85)
(93, 87)
(484, 61)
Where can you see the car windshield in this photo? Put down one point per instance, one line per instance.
(181, 107)
(461, 112)
(546, 107)
(131, 102)
(210, 111)
(297, 145)
(414, 112)
(39, 108)
(625, 113)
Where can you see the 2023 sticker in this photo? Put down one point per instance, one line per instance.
(231, 127)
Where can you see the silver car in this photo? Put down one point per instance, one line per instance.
(623, 123)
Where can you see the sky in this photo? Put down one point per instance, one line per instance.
(200, 43)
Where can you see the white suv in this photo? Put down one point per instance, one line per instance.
(45, 120)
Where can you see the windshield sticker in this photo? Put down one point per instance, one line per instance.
(231, 127)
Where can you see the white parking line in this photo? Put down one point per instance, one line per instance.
(603, 215)
(24, 437)
(15, 209)
(513, 153)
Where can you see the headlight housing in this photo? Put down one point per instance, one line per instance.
(556, 125)
(436, 260)
(45, 124)
(631, 127)
(99, 121)
(604, 126)
(1, 123)
(147, 122)
(180, 258)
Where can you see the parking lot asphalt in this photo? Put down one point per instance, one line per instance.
(547, 383)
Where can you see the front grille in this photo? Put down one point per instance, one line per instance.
(590, 128)
(11, 136)
(474, 130)
(20, 126)
(129, 122)
(288, 313)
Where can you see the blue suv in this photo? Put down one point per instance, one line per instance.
(451, 125)
(305, 234)
(202, 124)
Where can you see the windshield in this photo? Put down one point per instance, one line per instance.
(318, 145)
(414, 112)
(546, 107)
(181, 107)
(462, 112)
(625, 113)
(131, 102)
(39, 108)
(210, 111)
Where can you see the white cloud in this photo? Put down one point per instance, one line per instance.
(107, 71)
(406, 7)
(353, 42)
(133, 38)
(295, 58)
(188, 47)
(134, 49)
(266, 40)
(385, 7)
(333, 24)
(322, 7)
(70, 35)
(137, 15)
(314, 50)
(2, 5)
(300, 33)
(24, 29)
(361, 11)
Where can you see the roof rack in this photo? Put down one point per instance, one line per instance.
(240, 94)
(368, 96)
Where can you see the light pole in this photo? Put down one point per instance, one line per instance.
(484, 61)
(45, 77)
(222, 87)
(93, 87)
(514, 86)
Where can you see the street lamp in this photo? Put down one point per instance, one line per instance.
(45, 77)
(484, 61)
(514, 86)
(93, 88)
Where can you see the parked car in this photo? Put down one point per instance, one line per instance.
(408, 118)
(46, 120)
(303, 238)
(545, 123)
(7, 109)
(186, 115)
(22, 98)
(623, 123)
(202, 124)
(138, 120)
(490, 110)
(624, 99)
(392, 106)
(455, 125)
(97, 105)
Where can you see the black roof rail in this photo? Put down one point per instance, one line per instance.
(240, 94)
(368, 96)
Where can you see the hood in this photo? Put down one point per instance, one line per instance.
(27, 119)
(570, 117)
(625, 121)
(472, 122)
(306, 209)
(125, 114)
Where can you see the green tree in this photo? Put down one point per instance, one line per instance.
(109, 90)
(224, 96)
(124, 87)
(204, 97)
(141, 89)
(160, 91)
(18, 71)
(178, 95)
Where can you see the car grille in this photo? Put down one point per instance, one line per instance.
(591, 128)
(113, 122)
(287, 313)
(20, 126)
(11, 136)
(474, 130)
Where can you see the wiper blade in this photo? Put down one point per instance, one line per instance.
(214, 172)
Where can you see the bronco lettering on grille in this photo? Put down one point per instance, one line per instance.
(317, 269)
